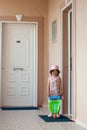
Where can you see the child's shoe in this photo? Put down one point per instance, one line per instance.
(50, 115)
(57, 115)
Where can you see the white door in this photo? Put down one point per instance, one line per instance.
(18, 64)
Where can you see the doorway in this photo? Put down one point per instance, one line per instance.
(19, 64)
(67, 58)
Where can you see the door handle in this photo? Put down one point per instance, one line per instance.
(18, 69)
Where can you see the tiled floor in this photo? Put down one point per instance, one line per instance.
(29, 120)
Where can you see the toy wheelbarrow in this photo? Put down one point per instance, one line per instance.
(54, 105)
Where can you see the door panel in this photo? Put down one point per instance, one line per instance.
(18, 64)
(19, 50)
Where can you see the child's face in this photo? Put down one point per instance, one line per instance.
(55, 72)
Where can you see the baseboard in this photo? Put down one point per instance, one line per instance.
(81, 124)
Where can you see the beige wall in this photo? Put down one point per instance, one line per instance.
(81, 66)
(79, 52)
(26, 7)
(33, 10)
(55, 54)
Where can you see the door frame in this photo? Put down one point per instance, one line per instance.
(69, 67)
(73, 53)
(35, 102)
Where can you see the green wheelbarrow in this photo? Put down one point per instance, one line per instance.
(54, 105)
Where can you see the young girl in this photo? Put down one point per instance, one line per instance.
(54, 83)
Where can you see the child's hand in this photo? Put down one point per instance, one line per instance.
(62, 96)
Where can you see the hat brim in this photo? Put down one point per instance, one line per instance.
(54, 69)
